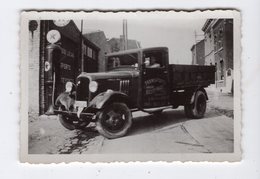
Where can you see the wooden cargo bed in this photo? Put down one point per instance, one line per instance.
(189, 76)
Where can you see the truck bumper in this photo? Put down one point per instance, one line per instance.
(73, 115)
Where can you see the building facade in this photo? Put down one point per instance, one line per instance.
(198, 53)
(70, 62)
(77, 53)
(100, 40)
(90, 54)
(219, 50)
(209, 43)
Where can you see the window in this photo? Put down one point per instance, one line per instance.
(90, 52)
(222, 70)
(215, 42)
(216, 72)
(84, 49)
(229, 72)
(123, 61)
(154, 59)
(94, 54)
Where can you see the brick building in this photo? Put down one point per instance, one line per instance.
(100, 40)
(219, 50)
(70, 60)
(198, 53)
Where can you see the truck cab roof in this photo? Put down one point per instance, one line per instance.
(137, 50)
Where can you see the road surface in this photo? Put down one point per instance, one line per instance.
(171, 132)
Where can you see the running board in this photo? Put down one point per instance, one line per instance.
(153, 110)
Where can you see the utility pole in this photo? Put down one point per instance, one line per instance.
(195, 48)
(125, 35)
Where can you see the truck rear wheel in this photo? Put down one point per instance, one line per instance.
(114, 120)
(197, 109)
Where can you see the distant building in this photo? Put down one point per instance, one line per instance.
(198, 53)
(90, 52)
(219, 50)
(209, 43)
(117, 44)
(99, 39)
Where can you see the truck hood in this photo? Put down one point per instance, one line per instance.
(110, 75)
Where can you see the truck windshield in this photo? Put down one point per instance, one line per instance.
(122, 61)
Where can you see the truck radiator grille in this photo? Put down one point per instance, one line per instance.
(124, 86)
(82, 89)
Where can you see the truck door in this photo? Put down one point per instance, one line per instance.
(155, 80)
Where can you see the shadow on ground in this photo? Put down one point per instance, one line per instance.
(149, 122)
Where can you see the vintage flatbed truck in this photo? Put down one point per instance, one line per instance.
(140, 79)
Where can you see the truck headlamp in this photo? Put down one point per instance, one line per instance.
(93, 86)
(68, 86)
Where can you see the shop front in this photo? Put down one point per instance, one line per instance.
(61, 59)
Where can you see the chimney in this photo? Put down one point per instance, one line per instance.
(125, 38)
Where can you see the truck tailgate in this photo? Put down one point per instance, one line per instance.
(188, 76)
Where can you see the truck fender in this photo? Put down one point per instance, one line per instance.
(66, 100)
(105, 98)
(195, 92)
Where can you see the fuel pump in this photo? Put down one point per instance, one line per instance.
(51, 68)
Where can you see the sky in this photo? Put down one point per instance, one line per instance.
(176, 33)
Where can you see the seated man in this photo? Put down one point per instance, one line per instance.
(152, 63)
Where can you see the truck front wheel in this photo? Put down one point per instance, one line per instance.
(65, 122)
(197, 109)
(68, 123)
(114, 120)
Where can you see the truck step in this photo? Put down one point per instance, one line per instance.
(157, 109)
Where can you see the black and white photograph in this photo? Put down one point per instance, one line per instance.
(130, 86)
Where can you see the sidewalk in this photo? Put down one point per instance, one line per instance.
(222, 102)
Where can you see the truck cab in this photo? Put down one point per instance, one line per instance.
(149, 85)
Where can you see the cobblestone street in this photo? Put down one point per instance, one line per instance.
(170, 132)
